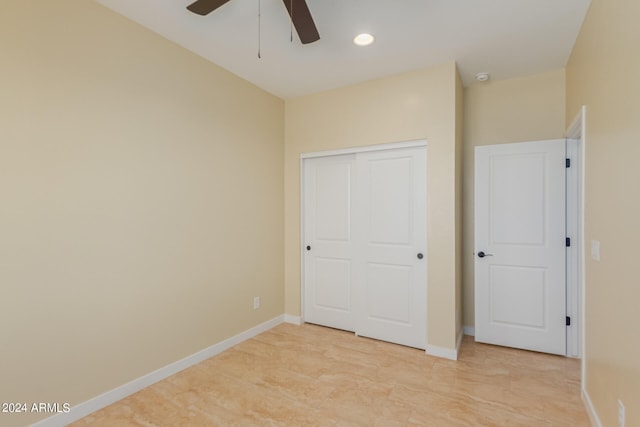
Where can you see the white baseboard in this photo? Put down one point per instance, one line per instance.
(92, 405)
(296, 320)
(591, 411)
(469, 330)
(446, 353)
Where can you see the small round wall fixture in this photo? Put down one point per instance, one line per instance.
(364, 39)
(482, 77)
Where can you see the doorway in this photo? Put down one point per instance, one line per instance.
(526, 245)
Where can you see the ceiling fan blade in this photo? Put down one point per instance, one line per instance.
(302, 20)
(204, 7)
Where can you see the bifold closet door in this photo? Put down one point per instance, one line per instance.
(365, 265)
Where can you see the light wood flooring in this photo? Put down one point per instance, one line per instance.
(313, 376)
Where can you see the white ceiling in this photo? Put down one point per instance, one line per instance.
(507, 38)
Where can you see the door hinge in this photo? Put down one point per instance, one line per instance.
(567, 163)
(568, 321)
(567, 241)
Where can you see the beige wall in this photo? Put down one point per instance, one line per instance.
(602, 74)
(459, 177)
(138, 183)
(522, 109)
(416, 105)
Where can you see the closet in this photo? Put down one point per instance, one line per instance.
(364, 242)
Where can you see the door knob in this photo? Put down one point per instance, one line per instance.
(481, 254)
(308, 248)
(420, 256)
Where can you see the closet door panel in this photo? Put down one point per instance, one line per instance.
(392, 295)
(329, 250)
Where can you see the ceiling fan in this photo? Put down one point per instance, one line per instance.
(298, 11)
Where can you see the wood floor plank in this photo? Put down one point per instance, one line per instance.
(313, 376)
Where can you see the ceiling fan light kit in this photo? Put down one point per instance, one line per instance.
(298, 11)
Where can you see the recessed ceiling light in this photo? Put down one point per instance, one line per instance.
(363, 39)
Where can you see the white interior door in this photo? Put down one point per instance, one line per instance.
(365, 266)
(393, 288)
(520, 289)
(329, 236)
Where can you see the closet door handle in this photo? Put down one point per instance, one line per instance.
(420, 256)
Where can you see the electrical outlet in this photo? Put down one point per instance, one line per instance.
(621, 413)
(256, 303)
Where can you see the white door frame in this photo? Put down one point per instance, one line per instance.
(576, 131)
(350, 150)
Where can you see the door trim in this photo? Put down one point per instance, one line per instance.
(339, 152)
(577, 131)
(364, 149)
(572, 196)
